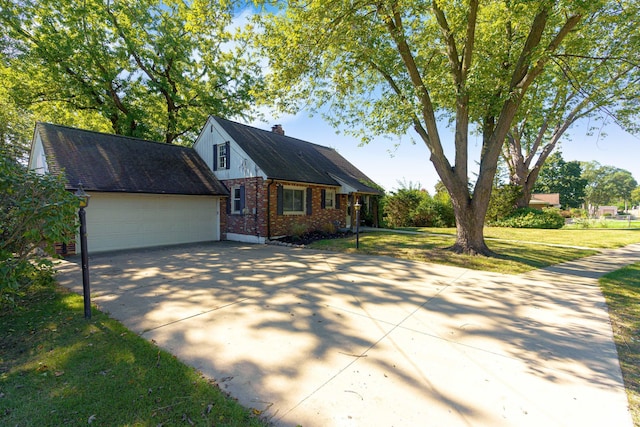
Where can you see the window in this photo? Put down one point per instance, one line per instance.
(238, 199)
(293, 200)
(330, 199)
(222, 157)
(221, 154)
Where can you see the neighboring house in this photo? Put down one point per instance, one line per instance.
(281, 185)
(540, 201)
(142, 193)
(606, 211)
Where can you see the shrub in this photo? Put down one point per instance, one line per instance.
(410, 207)
(532, 218)
(578, 213)
(433, 213)
(565, 214)
(329, 228)
(35, 212)
(400, 206)
(297, 229)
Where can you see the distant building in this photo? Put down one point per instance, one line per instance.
(540, 201)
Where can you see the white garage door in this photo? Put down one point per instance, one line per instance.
(125, 221)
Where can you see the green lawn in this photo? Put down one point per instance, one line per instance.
(622, 292)
(56, 368)
(603, 238)
(514, 257)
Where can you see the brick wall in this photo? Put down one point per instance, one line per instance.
(223, 218)
(282, 225)
(254, 222)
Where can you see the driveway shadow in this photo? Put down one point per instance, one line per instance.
(317, 338)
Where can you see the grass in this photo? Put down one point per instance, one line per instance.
(600, 238)
(514, 258)
(622, 292)
(56, 368)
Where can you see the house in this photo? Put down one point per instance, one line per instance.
(281, 185)
(603, 211)
(540, 201)
(236, 183)
(142, 193)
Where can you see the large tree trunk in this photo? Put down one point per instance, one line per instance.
(470, 213)
(470, 233)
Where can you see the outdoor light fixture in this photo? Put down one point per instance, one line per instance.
(84, 202)
(357, 206)
(82, 195)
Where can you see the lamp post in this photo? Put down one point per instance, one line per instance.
(357, 207)
(84, 202)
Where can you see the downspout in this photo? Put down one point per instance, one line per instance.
(256, 213)
(269, 209)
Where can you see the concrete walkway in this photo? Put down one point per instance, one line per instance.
(324, 339)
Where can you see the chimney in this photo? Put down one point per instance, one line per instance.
(277, 129)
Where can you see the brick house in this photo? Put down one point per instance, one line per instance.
(281, 185)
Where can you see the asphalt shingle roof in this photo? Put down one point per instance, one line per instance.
(113, 163)
(290, 159)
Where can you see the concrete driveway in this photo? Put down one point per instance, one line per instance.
(324, 339)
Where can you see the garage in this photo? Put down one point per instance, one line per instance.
(127, 221)
(143, 193)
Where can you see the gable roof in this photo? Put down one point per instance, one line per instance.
(114, 163)
(290, 159)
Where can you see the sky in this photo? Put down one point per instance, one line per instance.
(390, 163)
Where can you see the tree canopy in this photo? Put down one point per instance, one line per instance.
(385, 67)
(598, 79)
(607, 185)
(152, 69)
(565, 178)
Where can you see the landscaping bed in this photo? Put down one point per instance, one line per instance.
(310, 237)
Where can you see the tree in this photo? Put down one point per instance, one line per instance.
(607, 185)
(35, 212)
(387, 66)
(635, 196)
(599, 79)
(503, 202)
(152, 69)
(16, 123)
(558, 176)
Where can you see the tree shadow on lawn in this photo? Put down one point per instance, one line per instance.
(282, 328)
